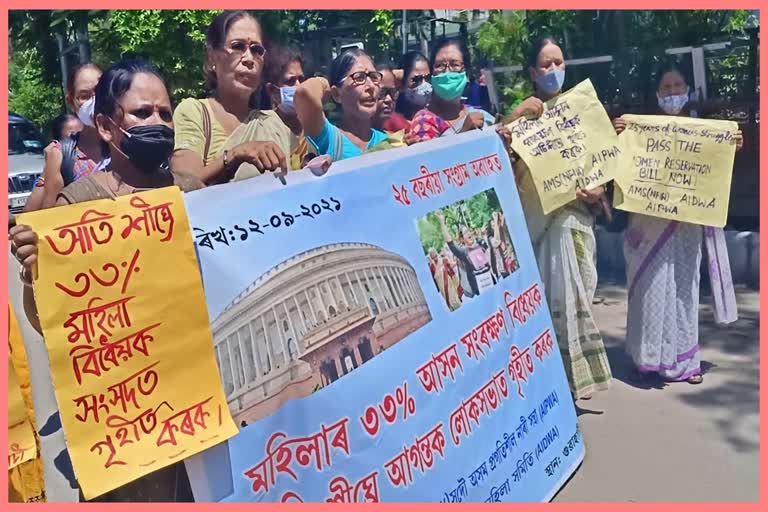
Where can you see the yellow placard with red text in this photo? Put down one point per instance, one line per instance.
(122, 308)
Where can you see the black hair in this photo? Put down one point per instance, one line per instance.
(450, 41)
(116, 81)
(216, 36)
(343, 63)
(671, 68)
(278, 59)
(57, 125)
(533, 55)
(72, 78)
(408, 61)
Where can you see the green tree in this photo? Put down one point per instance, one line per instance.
(29, 94)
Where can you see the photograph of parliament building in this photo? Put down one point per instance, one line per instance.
(310, 320)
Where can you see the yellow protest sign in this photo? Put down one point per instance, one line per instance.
(21, 438)
(676, 168)
(25, 466)
(121, 304)
(572, 145)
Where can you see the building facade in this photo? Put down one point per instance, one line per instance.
(312, 319)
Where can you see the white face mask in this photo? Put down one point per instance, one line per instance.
(286, 100)
(85, 114)
(672, 105)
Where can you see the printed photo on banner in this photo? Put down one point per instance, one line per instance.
(312, 319)
(468, 247)
(677, 168)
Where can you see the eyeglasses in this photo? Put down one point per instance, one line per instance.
(388, 91)
(454, 67)
(417, 80)
(359, 77)
(239, 48)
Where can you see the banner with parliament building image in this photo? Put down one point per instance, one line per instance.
(382, 334)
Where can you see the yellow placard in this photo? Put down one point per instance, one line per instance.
(21, 437)
(676, 168)
(121, 304)
(572, 145)
(25, 467)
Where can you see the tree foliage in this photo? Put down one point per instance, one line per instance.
(175, 41)
(636, 38)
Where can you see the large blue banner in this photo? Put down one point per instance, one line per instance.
(382, 334)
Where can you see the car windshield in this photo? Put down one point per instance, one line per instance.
(23, 138)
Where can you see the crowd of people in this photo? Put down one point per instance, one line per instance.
(264, 114)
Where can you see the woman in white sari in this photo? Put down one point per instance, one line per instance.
(564, 244)
(663, 271)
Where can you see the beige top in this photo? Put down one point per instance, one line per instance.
(261, 125)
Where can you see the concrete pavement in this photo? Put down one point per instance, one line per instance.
(675, 442)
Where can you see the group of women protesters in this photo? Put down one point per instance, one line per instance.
(263, 114)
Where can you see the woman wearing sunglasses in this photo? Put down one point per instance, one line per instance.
(354, 86)
(387, 120)
(445, 114)
(224, 137)
(415, 90)
(283, 74)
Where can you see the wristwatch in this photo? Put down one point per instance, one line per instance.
(226, 160)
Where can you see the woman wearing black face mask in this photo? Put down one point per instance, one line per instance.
(133, 117)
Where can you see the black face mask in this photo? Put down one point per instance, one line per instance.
(148, 147)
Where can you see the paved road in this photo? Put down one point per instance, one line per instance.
(680, 442)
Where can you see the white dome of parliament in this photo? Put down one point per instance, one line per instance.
(312, 319)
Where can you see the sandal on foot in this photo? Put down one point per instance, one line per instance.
(695, 379)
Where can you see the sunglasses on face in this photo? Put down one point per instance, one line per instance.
(358, 77)
(388, 91)
(417, 80)
(294, 81)
(239, 48)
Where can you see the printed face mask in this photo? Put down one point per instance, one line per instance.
(672, 105)
(419, 96)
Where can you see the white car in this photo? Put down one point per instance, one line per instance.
(25, 160)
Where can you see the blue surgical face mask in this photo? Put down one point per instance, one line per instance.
(286, 100)
(551, 82)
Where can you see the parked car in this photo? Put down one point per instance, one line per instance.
(25, 160)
